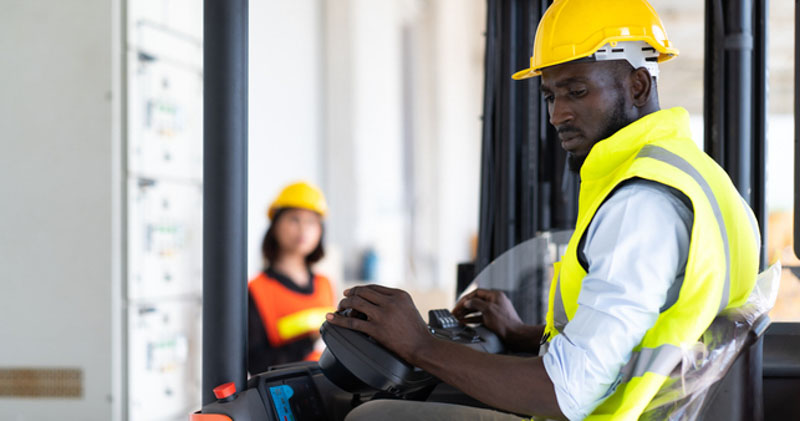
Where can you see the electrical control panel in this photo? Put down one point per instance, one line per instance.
(164, 377)
(165, 116)
(164, 238)
(164, 202)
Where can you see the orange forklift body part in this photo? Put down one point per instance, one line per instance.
(209, 417)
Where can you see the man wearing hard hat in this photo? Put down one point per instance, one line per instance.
(662, 244)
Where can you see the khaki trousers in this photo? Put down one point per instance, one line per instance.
(396, 410)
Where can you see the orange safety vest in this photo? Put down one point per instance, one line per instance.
(288, 315)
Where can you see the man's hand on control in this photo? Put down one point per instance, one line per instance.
(496, 311)
(498, 314)
(392, 318)
(511, 383)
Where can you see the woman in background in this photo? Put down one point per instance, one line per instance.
(287, 301)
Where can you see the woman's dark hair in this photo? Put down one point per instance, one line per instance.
(270, 248)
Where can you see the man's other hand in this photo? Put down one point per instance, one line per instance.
(391, 318)
(490, 308)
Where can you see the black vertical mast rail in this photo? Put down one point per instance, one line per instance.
(758, 198)
(735, 97)
(486, 211)
(796, 128)
(735, 136)
(521, 162)
(224, 195)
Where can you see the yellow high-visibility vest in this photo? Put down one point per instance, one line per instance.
(723, 252)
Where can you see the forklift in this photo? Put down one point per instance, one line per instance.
(528, 207)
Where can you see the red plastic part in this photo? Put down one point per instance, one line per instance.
(225, 390)
(209, 417)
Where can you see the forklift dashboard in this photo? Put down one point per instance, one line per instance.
(354, 368)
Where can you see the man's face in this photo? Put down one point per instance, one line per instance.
(587, 103)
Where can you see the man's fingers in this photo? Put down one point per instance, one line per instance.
(349, 322)
(473, 305)
(473, 319)
(370, 294)
(487, 294)
(385, 290)
(374, 288)
(459, 310)
(357, 302)
(476, 304)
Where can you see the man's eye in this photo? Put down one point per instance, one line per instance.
(549, 98)
(577, 93)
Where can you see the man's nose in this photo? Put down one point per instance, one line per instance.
(560, 113)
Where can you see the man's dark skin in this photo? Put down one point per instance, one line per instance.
(587, 102)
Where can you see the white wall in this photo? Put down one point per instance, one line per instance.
(285, 106)
(780, 163)
(378, 134)
(339, 159)
(403, 134)
(459, 88)
(364, 135)
(57, 187)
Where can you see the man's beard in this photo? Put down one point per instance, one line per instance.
(614, 123)
(575, 162)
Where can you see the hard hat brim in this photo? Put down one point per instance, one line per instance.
(666, 53)
(525, 74)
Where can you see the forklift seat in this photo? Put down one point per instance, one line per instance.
(720, 378)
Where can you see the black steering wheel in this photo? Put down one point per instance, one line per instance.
(358, 364)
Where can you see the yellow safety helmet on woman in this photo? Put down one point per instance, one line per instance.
(303, 195)
(574, 29)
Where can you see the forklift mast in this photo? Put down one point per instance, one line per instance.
(735, 98)
(526, 187)
(224, 195)
(796, 128)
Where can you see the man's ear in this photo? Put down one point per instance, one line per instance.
(641, 87)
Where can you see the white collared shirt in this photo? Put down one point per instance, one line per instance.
(636, 247)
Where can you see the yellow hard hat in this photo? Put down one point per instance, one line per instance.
(303, 195)
(573, 29)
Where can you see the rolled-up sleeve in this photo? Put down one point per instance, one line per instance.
(636, 247)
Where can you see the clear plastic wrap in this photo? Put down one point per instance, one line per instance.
(686, 391)
(524, 273)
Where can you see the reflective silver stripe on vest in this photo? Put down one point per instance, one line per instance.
(659, 360)
(663, 155)
(559, 314)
